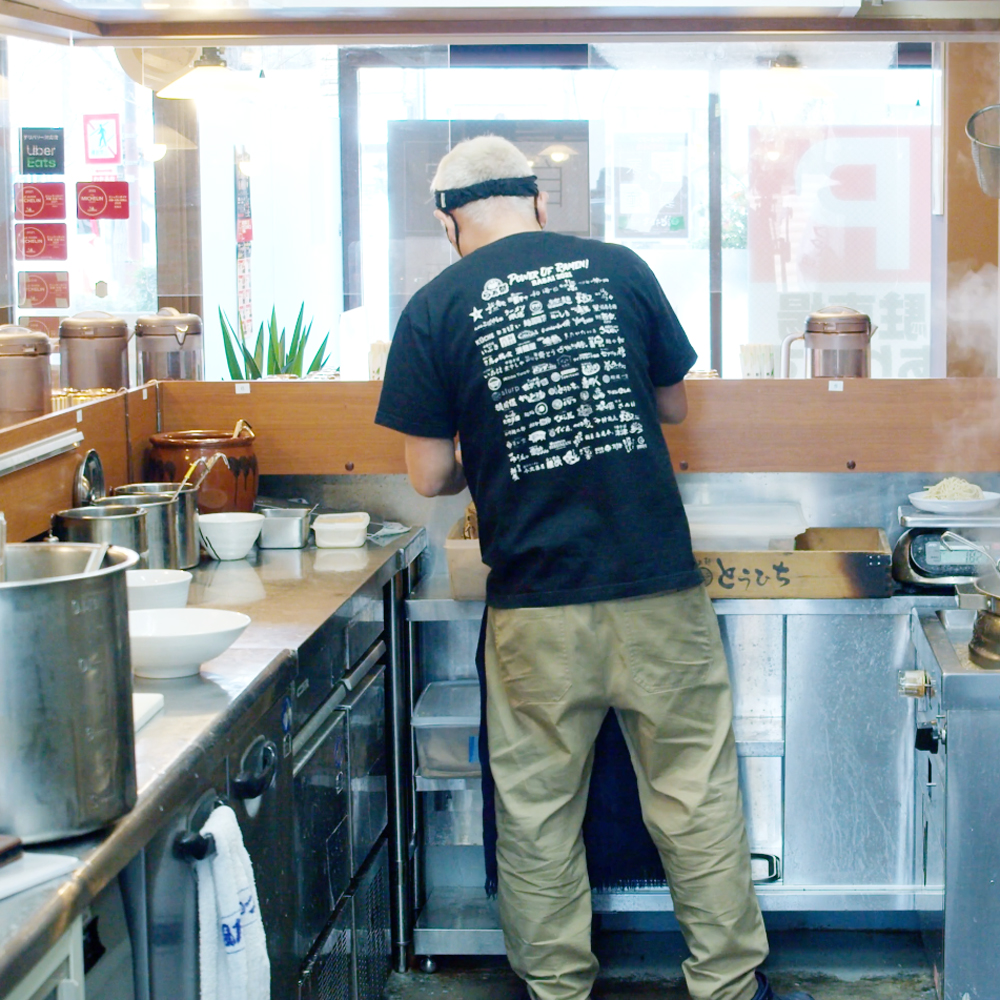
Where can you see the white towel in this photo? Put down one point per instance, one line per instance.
(231, 942)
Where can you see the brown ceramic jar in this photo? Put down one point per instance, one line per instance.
(224, 489)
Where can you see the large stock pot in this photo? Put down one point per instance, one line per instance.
(67, 747)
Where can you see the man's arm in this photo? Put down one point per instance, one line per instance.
(671, 403)
(433, 467)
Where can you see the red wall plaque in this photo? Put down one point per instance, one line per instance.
(40, 240)
(43, 324)
(40, 201)
(102, 200)
(43, 289)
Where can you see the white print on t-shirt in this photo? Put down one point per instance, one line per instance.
(553, 360)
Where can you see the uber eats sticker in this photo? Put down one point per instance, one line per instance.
(41, 150)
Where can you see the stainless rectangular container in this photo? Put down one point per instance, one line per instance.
(284, 529)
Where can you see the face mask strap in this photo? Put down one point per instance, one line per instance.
(454, 222)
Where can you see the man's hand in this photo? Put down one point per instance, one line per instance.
(433, 466)
(671, 403)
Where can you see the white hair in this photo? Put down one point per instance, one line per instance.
(485, 158)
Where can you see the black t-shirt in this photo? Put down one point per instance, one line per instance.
(542, 352)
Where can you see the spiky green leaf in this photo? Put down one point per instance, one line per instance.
(229, 342)
(320, 359)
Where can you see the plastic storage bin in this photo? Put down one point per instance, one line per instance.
(341, 531)
(446, 724)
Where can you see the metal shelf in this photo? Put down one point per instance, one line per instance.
(459, 922)
(464, 922)
(759, 737)
(470, 784)
(910, 517)
(431, 601)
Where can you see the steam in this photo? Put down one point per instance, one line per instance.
(968, 439)
(973, 306)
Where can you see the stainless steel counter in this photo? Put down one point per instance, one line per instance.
(289, 595)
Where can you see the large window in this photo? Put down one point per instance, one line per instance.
(818, 178)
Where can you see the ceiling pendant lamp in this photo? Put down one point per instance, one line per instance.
(209, 77)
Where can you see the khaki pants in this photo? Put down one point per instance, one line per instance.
(552, 673)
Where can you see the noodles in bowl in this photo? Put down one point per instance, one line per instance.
(953, 495)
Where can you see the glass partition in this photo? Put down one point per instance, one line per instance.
(758, 180)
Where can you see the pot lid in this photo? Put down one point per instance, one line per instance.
(838, 319)
(93, 324)
(168, 322)
(18, 341)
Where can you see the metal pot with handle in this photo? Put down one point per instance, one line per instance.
(837, 344)
(67, 749)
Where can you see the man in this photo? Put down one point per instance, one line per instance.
(555, 359)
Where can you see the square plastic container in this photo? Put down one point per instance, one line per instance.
(446, 725)
(341, 531)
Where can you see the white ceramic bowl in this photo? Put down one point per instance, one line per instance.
(341, 531)
(175, 642)
(157, 588)
(229, 535)
(922, 502)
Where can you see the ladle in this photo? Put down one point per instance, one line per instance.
(209, 463)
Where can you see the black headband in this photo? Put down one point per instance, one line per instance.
(511, 187)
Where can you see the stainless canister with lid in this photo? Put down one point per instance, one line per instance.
(25, 374)
(837, 344)
(94, 349)
(169, 346)
(67, 745)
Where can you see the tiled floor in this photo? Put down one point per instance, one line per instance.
(832, 965)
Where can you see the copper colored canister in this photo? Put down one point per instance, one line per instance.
(232, 488)
(25, 375)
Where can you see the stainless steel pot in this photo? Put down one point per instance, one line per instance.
(114, 524)
(837, 344)
(25, 375)
(161, 527)
(67, 748)
(94, 351)
(168, 346)
(188, 551)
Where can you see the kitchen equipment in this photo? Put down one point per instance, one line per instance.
(88, 483)
(157, 588)
(116, 524)
(837, 344)
(175, 642)
(96, 558)
(285, 528)
(230, 535)
(169, 346)
(161, 526)
(25, 375)
(185, 511)
(3, 548)
(983, 130)
(341, 531)
(67, 753)
(924, 557)
(228, 487)
(94, 351)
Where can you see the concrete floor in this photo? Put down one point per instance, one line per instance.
(832, 965)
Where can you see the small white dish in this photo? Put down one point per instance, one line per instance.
(341, 531)
(175, 642)
(922, 502)
(229, 535)
(157, 588)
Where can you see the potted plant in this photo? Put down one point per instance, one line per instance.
(273, 355)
